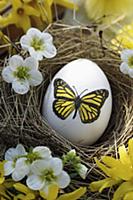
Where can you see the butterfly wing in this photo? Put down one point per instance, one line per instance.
(91, 104)
(64, 103)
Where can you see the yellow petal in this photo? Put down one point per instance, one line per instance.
(43, 195)
(73, 195)
(130, 149)
(49, 2)
(21, 188)
(109, 161)
(53, 192)
(19, 196)
(122, 171)
(124, 157)
(47, 13)
(31, 11)
(2, 179)
(122, 190)
(16, 4)
(102, 184)
(24, 23)
(105, 169)
(128, 196)
(66, 3)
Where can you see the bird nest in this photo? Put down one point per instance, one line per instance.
(21, 119)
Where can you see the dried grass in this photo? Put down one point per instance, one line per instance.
(20, 116)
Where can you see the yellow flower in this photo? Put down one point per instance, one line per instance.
(53, 193)
(118, 172)
(107, 11)
(73, 195)
(45, 7)
(23, 12)
(124, 38)
(2, 178)
(20, 15)
(26, 193)
(3, 3)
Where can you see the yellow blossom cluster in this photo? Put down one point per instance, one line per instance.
(23, 12)
(124, 38)
(118, 172)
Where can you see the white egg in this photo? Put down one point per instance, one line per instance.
(78, 102)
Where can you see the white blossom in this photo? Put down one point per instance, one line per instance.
(38, 44)
(23, 165)
(11, 157)
(72, 159)
(126, 66)
(82, 170)
(46, 173)
(22, 73)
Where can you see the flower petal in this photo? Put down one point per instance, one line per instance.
(47, 38)
(31, 63)
(8, 168)
(102, 184)
(38, 166)
(15, 61)
(122, 190)
(11, 154)
(82, 170)
(125, 54)
(21, 169)
(50, 51)
(73, 195)
(52, 192)
(128, 196)
(21, 150)
(110, 161)
(63, 179)
(105, 169)
(44, 152)
(130, 72)
(124, 68)
(34, 182)
(20, 87)
(33, 32)
(7, 74)
(56, 165)
(124, 157)
(36, 78)
(130, 149)
(38, 55)
(25, 41)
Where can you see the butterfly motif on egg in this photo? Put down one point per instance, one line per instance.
(67, 101)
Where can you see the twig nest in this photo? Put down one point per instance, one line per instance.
(20, 116)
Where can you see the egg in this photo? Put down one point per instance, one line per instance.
(78, 102)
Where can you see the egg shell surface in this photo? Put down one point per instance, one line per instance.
(83, 77)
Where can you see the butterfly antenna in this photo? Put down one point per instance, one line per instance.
(75, 90)
(83, 92)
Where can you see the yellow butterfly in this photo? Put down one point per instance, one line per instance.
(66, 101)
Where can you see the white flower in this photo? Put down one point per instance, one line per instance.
(38, 44)
(46, 173)
(11, 157)
(82, 170)
(22, 73)
(126, 66)
(23, 165)
(74, 161)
